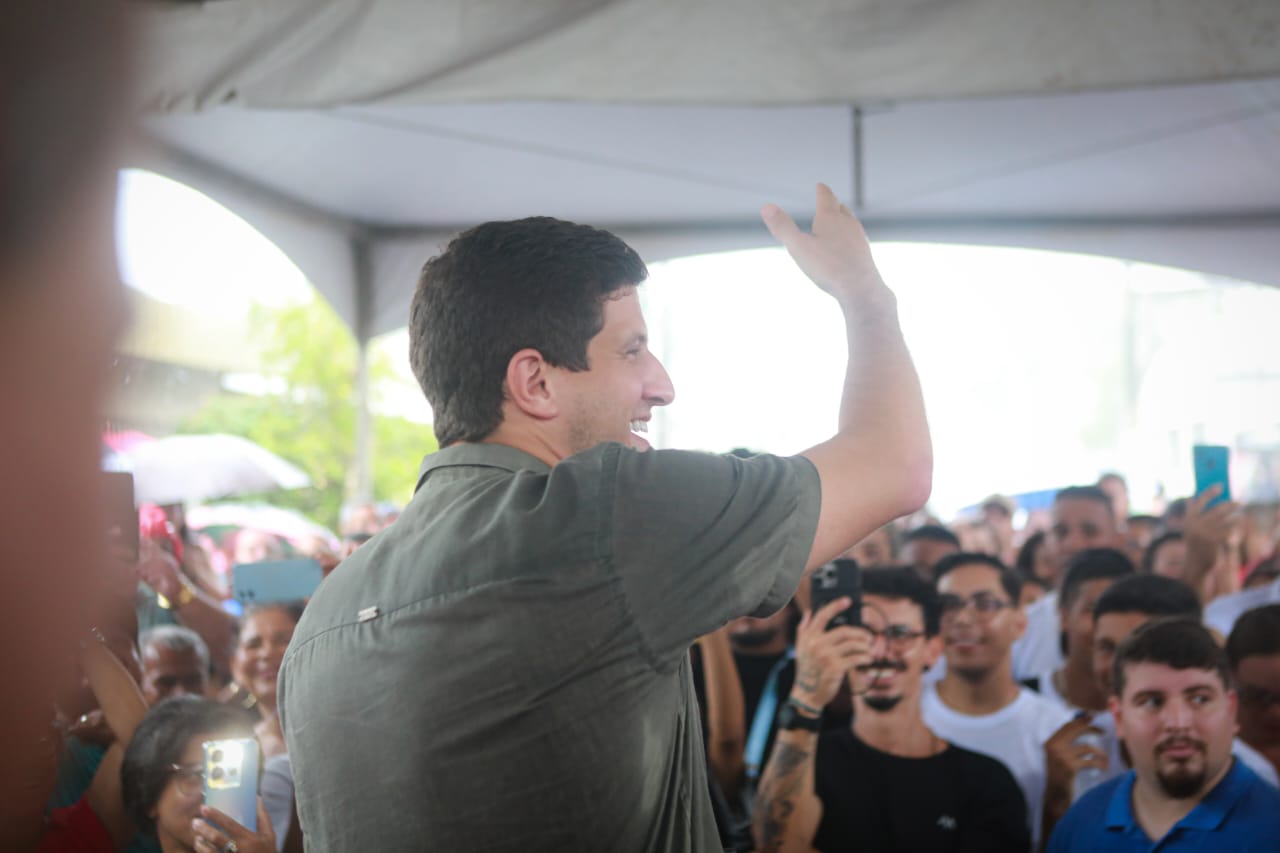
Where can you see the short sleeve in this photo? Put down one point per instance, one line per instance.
(699, 539)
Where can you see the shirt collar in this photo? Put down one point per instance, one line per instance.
(482, 455)
(1209, 813)
(1120, 809)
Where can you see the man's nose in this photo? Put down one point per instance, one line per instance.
(1177, 714)
(659, 390)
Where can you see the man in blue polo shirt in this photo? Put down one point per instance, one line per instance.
(1176, 712)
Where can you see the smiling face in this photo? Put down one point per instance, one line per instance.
(264, 636)
(1178, 725)
(180, 799)
(900, 654)
(615, 397)
(978, 636)
(1080, 523)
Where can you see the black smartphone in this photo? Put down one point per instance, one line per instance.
(838, 579)
(122, 514)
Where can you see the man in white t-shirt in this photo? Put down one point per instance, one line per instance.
(977, 704)
(1082, 518)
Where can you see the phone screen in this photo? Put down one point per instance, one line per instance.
(837, 579)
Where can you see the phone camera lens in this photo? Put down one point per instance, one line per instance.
(217, 756)
(216, 775)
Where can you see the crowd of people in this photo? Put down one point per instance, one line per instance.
(568, 640)
(950, 674)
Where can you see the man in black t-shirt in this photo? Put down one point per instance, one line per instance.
(886, 782)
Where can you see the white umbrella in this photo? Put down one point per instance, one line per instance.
(288, 523)
(198, 468)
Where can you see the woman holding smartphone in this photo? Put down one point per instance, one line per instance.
(163, 776)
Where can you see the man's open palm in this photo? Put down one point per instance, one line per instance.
(835, 255)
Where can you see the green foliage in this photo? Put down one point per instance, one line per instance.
(311, 419)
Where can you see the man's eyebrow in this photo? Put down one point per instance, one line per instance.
(1146, 694)
(640, 338)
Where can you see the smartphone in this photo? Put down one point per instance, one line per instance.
(272, 581)
(837, 579)
(1211, 463)
(122, 515)
(231, 779)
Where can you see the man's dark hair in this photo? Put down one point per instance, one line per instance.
(1256, 632)
(502, 287)
(1009, 579)
(1176, 642)
(159, 742)
(1025, 563)
(1176, 511)
(1086, 493)
(1152, 595)
(931, 533)
(1149, 555)
(905, 582)
(1092, 564)
(63, 67)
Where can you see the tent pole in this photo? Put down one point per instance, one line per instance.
(359, 484)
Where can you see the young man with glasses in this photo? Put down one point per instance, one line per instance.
(977, 704)
(1254, 651)
(887, 782)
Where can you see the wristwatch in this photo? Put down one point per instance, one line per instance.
(791, 719)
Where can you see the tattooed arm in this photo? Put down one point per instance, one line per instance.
(787, 810)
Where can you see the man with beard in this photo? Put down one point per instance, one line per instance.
(887, 782)
(1174, 707)
(1126, 606)
(977, 704)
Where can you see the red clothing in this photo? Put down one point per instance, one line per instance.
(75, 829)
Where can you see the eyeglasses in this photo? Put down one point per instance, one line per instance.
(1257, 697)
(897, 637)
(190, 778)
(985, 604)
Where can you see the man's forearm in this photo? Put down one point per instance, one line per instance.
(879, 465)
(787, 811)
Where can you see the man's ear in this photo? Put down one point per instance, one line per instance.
(1117, 713)
(527, 385)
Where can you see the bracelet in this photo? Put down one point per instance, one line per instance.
(185, 597)
(804, 706)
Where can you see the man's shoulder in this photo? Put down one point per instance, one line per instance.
(1259, 800)
(1087, 817)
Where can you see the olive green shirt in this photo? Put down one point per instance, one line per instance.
(506, 667)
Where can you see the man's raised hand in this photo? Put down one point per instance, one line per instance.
(835, 255)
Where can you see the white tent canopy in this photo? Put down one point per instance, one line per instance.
(358, 134)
